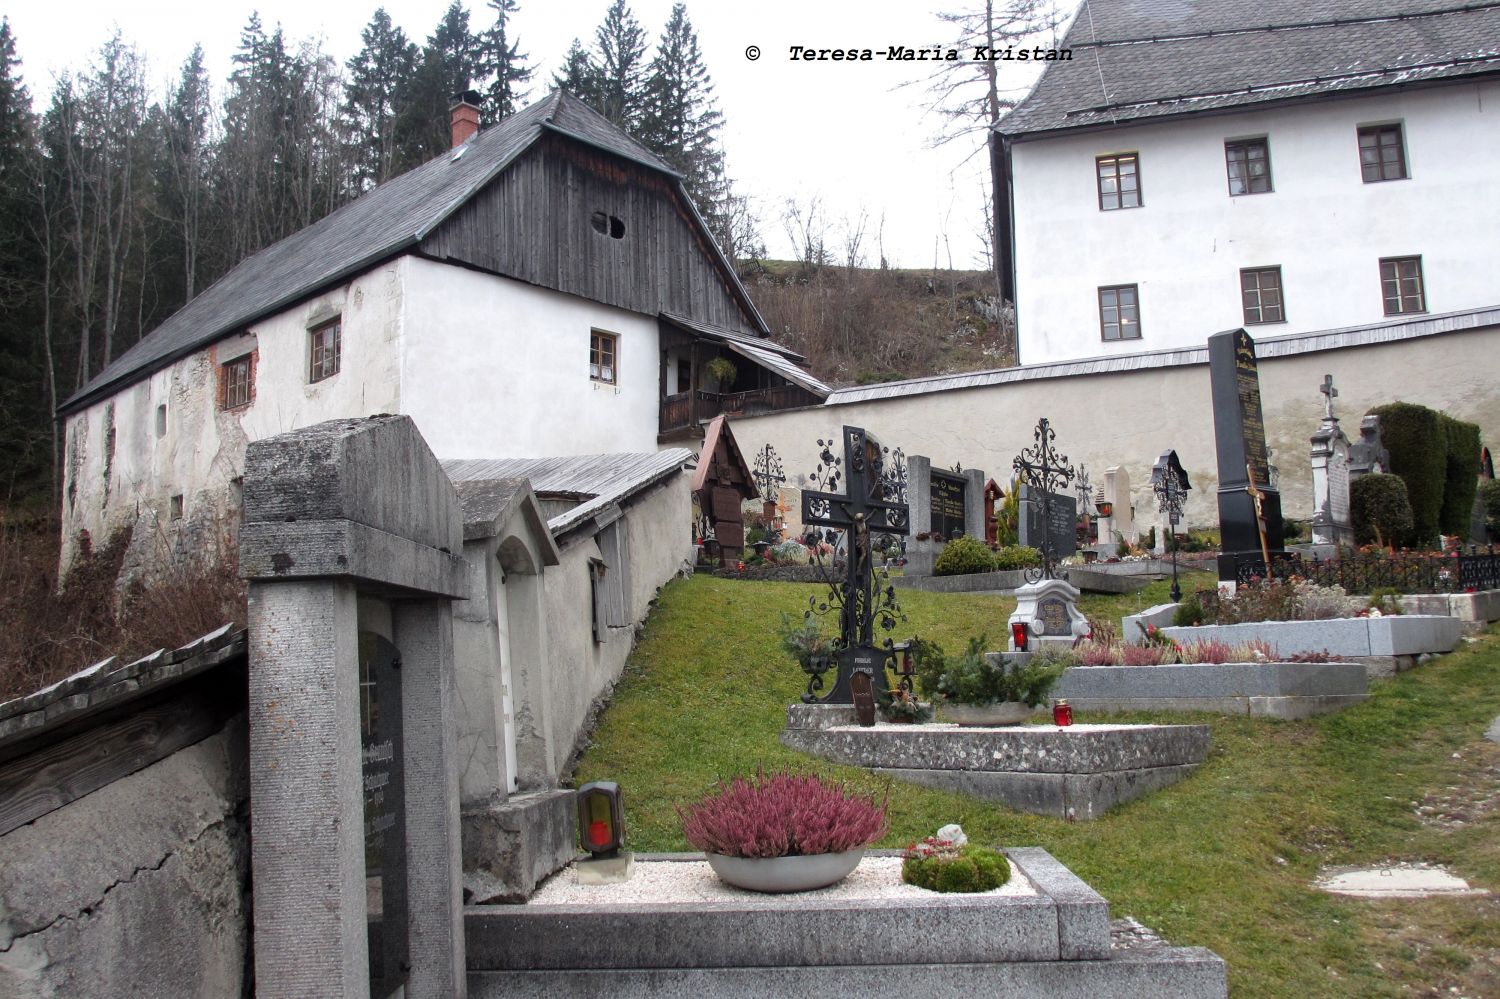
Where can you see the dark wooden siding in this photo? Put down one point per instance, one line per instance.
(533, 223)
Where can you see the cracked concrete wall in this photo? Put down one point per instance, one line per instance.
(138, 889)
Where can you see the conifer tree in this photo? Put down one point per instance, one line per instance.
(580, 77)
(450, 64)
(622, 67)
(680, 122)
(378, 87)
(505, 64)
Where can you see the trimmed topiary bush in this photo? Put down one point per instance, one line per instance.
(1461, 475)
(1017, 557)
(1419, 455)
(962, 556)
(1379, 509)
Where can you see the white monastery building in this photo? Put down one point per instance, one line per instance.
(1284, 165)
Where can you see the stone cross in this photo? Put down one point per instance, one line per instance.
(1329, 394)
(864, 507)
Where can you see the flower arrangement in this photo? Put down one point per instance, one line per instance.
(1114, 653)
(948, 862)
(973, 679)
(782, 814)
(900, 705)
(806, 643)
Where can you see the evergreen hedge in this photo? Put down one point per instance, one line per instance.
(962, 556)
(1379, 509)
(1413, 435)
(1489, 495)
(1461, 478)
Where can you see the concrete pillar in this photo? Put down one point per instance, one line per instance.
(307, 845)
(477, 665)
(974, 503)
(919, 494)
(537, 755)
(424, 635)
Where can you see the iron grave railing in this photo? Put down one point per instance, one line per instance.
(1478, 568)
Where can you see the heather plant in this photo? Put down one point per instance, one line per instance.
(1256, 650)
(1322, 603)
(1207, 650)
(1309, 657)
(1147, 655)
(1099, 653)
(782, 814)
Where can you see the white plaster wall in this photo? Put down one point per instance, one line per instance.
(203, 450)
(582, 671)
(1321, 224)
(1129, 418)
(495, 368)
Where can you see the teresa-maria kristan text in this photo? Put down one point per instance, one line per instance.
(905, 53)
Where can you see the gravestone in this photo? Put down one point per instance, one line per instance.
(1170, 485)
(1330, 476)
(351, 526)
(946, 498)
(1121, 518)
(1049, 610)
(870, 504)
(1368, 456)
(1062, 529)
(1249, 509)
(947, 504)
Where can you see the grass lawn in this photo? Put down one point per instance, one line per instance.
(1222, 859)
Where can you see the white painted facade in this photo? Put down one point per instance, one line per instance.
(487, 366)
(1321, 224)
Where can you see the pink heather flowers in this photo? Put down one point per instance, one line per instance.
(782, 815)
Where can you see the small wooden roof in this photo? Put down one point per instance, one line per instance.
(721, 459)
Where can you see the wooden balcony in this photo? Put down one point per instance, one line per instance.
(683, 414)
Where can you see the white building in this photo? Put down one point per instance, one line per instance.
(1287, 166)
(546, 288)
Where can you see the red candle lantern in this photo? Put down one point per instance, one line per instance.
(1018, 635)
(1062, 713)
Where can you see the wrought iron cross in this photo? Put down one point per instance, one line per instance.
(869, 504)
(1043, 470)
(1329, 394)
(1085, 489)
(767, 472)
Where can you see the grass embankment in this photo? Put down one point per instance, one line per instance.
(1222, 859)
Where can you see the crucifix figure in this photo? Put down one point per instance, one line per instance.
(1044, 470)
(1260, 516)
(865, 507)
(1329, 394)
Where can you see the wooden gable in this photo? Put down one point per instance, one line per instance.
(583, 221)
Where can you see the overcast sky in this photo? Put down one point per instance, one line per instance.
(847, 133)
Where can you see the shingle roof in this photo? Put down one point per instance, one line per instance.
(1144, 59)
(772, 356)
(373, 227)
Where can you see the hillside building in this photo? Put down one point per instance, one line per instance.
(1288, 166)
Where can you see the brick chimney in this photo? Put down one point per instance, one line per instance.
(465, 116)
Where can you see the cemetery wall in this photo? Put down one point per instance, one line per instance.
(1128, 417)
(582, 672)
(137, 889)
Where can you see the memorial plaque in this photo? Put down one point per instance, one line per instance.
(948, 494)
(1054, 617)
(1064, 527)
(862, 686)
(385, 814)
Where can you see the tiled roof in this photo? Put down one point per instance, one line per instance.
(374, 227)
(1136, 60)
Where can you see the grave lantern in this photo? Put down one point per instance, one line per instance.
(601, 818)
(1018, 635)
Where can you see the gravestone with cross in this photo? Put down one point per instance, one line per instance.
(1331, 523)
(869, 505)
(1046, 475)
(769, 479)
(1249, 505)
(1046, 607)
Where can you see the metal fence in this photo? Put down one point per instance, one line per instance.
(1405, 572)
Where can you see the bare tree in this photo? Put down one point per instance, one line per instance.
(807, 228)
(852, 231)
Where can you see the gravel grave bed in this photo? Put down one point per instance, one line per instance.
(693, 881)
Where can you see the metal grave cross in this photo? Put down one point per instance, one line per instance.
(1329, 394)
(767, 474)
(866, 506)
(1044, 470)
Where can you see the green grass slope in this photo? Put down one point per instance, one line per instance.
(1222, 859)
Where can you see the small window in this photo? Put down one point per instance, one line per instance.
(1401, 285)
(1119, 313)
(325, 348)
(1260, 291)
(175, 506)
(684, 375)
(603, 357)
(607, 225)
(1382, 155)
(1119, 181)
(235, 377)
(1249, 164)
(161, 420)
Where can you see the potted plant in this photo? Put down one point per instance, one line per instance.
(900, 707)
(783, 832)
(806, 643)
(723, 371)
(972, 690)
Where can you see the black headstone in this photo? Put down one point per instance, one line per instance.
(1240, 439)
(1063, 529)
(947, 494)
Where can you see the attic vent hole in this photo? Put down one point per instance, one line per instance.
(607, 225)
